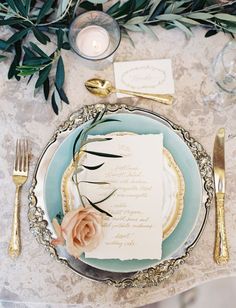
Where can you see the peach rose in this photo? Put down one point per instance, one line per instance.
(81, 231)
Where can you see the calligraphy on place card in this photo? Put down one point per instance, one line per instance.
(148, 76)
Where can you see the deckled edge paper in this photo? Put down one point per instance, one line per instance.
(135, 230)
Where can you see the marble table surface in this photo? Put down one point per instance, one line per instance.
(35, 277)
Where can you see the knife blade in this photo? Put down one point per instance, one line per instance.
(221, 252)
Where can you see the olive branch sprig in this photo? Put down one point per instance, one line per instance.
(25, 17)
(52, 18)
(139, 15)
(79, 147)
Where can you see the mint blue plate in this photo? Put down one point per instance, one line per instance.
(139, 124)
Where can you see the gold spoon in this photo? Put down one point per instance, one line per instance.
(103, 88)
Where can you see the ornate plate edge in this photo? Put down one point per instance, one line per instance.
(153, 275)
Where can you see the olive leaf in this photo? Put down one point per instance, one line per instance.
(40, 36)
(2, 58)
(59, 34)
(46, 88)
(102, 154)
(94, 182)
(60, 73)
(44, 10)
(20, 7)
(210, 33)
(39, 51)
(11, 4)
(182, 27)
(83, 133)
(18, 36)
(4, 46)
(96, 207)
(54, 104)
(16, 61)
(104, 199)
(93, 167)
(43, 75)
(62, 95)
(226, 17)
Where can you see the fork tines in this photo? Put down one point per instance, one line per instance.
(22, 156)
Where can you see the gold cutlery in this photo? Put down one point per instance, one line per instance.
(221, 252)
(20, 174)
(104, 88)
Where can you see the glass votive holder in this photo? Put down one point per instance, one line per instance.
(95, 36)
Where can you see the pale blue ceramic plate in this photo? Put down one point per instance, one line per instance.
(141, 125)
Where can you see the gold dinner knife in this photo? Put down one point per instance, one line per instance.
(221, 252)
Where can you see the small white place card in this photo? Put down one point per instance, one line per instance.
(147, 76)
(135, 229)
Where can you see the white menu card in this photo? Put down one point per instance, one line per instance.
(135, 229)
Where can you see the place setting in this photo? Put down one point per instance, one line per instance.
(120, 194)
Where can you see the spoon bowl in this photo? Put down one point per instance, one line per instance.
(99, 87)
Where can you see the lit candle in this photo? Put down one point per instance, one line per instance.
(92, 41)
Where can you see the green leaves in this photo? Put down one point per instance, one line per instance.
(102, 154)
(4, 46)
(136, 20)
(16, 61)
(18, 36)
(2, 58)
(39, 51)
(55, 106)
(20, 7)
(27, 5)
(226, 17)
(93, 167)
(201, 16)
(104, 199)
(40, 36)
(59, 94)
(10, 21)
(182, 27)
(97, 207)
(183, 14)
(210, 33)
(198, 5)
(168, 17)
(81, 138)
(43, 75)
(60, 73)
(59, 34)
(39, 17)
(36, 61)
(46, 88)
(44, 10)
(11, 4)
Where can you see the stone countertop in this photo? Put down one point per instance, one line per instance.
(35, 277)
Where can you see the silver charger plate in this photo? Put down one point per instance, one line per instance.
(41, 227)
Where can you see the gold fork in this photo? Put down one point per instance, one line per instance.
(20, 174)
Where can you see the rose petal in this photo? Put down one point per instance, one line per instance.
(82, 230)
(58, 230)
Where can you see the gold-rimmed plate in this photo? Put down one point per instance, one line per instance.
(194, 163)
(173, 185)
